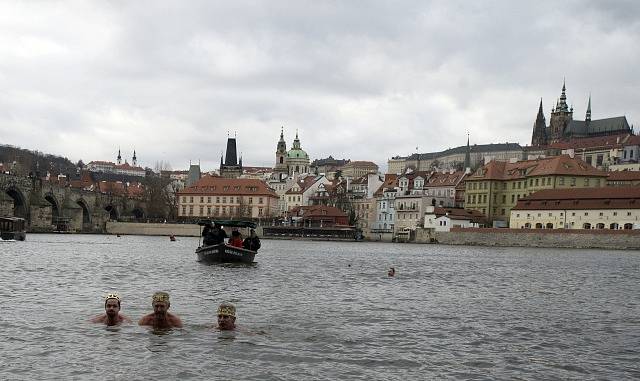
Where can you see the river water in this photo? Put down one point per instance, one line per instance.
(321, 311)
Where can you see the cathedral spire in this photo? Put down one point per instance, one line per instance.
(539, 137)
(467, 156)
(134, 159)
(119, 159)
(587, 117)
(562, 103)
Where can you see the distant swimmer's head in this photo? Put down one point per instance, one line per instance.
(226, 316)
(112, 304)
(160, 302)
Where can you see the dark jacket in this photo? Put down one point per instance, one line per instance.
(251, 243)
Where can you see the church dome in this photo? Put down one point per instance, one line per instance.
(297, 154)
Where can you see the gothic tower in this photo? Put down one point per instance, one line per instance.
(561, 116)
(231, 168)
(134, 159)
(119, 158)
(539, 136)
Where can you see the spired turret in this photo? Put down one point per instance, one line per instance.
(539, 136)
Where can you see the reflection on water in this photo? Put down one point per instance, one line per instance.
(320, 310)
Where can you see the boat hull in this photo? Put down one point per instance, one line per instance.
(13, 236)
(224, 254)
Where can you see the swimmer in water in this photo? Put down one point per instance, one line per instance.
(112, 315)
(161, 318)
(392, 271)
(226, 317)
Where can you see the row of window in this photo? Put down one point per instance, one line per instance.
(535, 182)
(586, 225)
(218, 211)
(573, 214)
(218, 198)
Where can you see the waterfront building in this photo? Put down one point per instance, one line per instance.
(383, 224)
(359, 168)
(410, 201)
(562, 126)
(363, 209)
(231, 168)
(494, 189)
(317, 216)
(586, 208)
(221, 197)
(443, 219)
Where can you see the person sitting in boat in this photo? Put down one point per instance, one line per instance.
(226, 317)
(218, 234)
(208, 236)
(236, 239)
(112, 315)
(252, 242)
(161, 318)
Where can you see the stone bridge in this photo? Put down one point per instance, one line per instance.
(50, 208)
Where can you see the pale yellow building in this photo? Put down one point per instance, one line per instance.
(586, 208)
(219, 197)
(494, 189)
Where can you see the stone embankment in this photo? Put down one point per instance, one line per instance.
(135, 228)
(600, 239)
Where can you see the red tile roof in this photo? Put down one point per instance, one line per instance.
(439, 179)
(582, 198)
(390, 181)
(623, 175)
(460, 214)
(555, 165)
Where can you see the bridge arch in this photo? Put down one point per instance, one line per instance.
(55, 209)
(20, 206)
(113, 212)
(138, 213)
(86, 214)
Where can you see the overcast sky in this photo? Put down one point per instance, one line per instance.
(364, 80)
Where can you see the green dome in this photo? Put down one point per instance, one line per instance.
(297, 153)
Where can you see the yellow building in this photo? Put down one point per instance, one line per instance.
(494, 189)
(227, 198)
(356, 169)
(587, 208)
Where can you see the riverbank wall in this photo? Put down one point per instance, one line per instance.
(591, 239)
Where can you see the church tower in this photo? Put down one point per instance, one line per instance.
(281, 157)
(231, 168)
(539, 136)
(561, 116)
(119, 158)
(134, 159)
